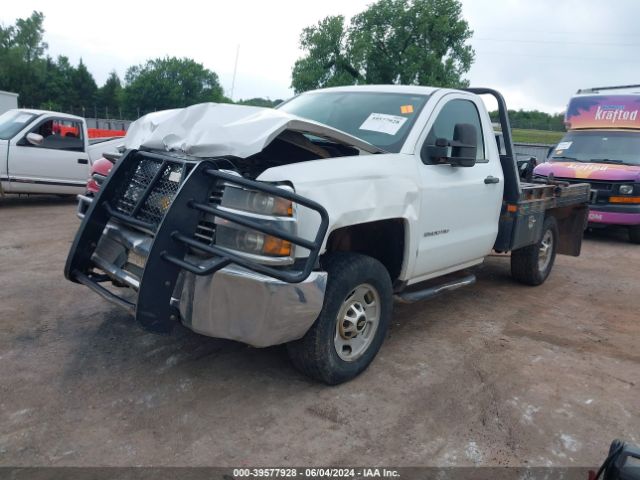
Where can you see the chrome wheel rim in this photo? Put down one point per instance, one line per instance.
(357, 322)
(546, 249)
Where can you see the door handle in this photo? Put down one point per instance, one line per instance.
(83, 161)
(491, 179)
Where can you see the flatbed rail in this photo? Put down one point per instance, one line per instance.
(521, 221)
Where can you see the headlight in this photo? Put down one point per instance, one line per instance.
(626, 189)
(279, 212)
(256, 202)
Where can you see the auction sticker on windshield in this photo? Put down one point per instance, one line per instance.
(383, 123)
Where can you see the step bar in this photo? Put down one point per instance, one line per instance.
(435, 290)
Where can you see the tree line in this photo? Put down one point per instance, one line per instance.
(533, 119)
(55, 84)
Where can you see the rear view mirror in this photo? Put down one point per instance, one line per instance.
(35, 139)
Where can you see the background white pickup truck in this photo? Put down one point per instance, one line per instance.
(300, 225)
(47, 152)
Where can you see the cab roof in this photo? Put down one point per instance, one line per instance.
(49, 112)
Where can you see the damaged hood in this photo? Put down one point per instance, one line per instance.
(212, 129)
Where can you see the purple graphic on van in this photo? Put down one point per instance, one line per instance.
(613, 218)
(598, 111)
(593, 171)
(602, 148)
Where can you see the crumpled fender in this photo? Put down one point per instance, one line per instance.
(356, 190)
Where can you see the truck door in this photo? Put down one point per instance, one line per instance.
(460, 206)
(59, 165)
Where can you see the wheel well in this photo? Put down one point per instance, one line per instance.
(383, 240)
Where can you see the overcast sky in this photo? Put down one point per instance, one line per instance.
(537, 52)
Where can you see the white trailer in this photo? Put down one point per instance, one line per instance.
(8, 101)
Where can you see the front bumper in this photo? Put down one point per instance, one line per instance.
(615, 214)
(232, 303)
(170, 274)
(241, 305)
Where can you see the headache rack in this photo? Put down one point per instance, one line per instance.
(174, 200)
(525, 204)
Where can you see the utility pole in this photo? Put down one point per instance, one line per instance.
(235, 70)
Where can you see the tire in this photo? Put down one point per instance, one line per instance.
(356, 285)
(634, 234)
(532, 265)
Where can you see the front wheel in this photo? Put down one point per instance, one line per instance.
(532, 265)
(634, 234)
(353, 322)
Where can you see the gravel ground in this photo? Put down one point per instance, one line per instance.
(494, 374)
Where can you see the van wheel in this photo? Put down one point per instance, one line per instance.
(532, 265)
(353, 322)
(634, 234)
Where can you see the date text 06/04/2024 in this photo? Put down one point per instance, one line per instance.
(315, 472)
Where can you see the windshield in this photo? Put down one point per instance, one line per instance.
(12, 122)
(380, 118)
(599, 147)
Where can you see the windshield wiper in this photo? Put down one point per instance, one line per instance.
(605, 160)
(562, 157)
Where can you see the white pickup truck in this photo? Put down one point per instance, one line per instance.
(47, 152)
(301, 225)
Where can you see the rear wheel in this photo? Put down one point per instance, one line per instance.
(352, 324)
(532, 265)
(634, 234)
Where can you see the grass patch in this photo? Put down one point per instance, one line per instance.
(521, 135)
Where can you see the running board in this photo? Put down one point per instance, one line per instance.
(434, 290)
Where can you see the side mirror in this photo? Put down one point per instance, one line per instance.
(35, 139)
(438, 152)
(464, 146)
(459, 152)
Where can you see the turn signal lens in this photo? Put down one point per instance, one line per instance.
(624, 199)
(276, 247)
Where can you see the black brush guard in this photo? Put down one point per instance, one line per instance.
(173, 234)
